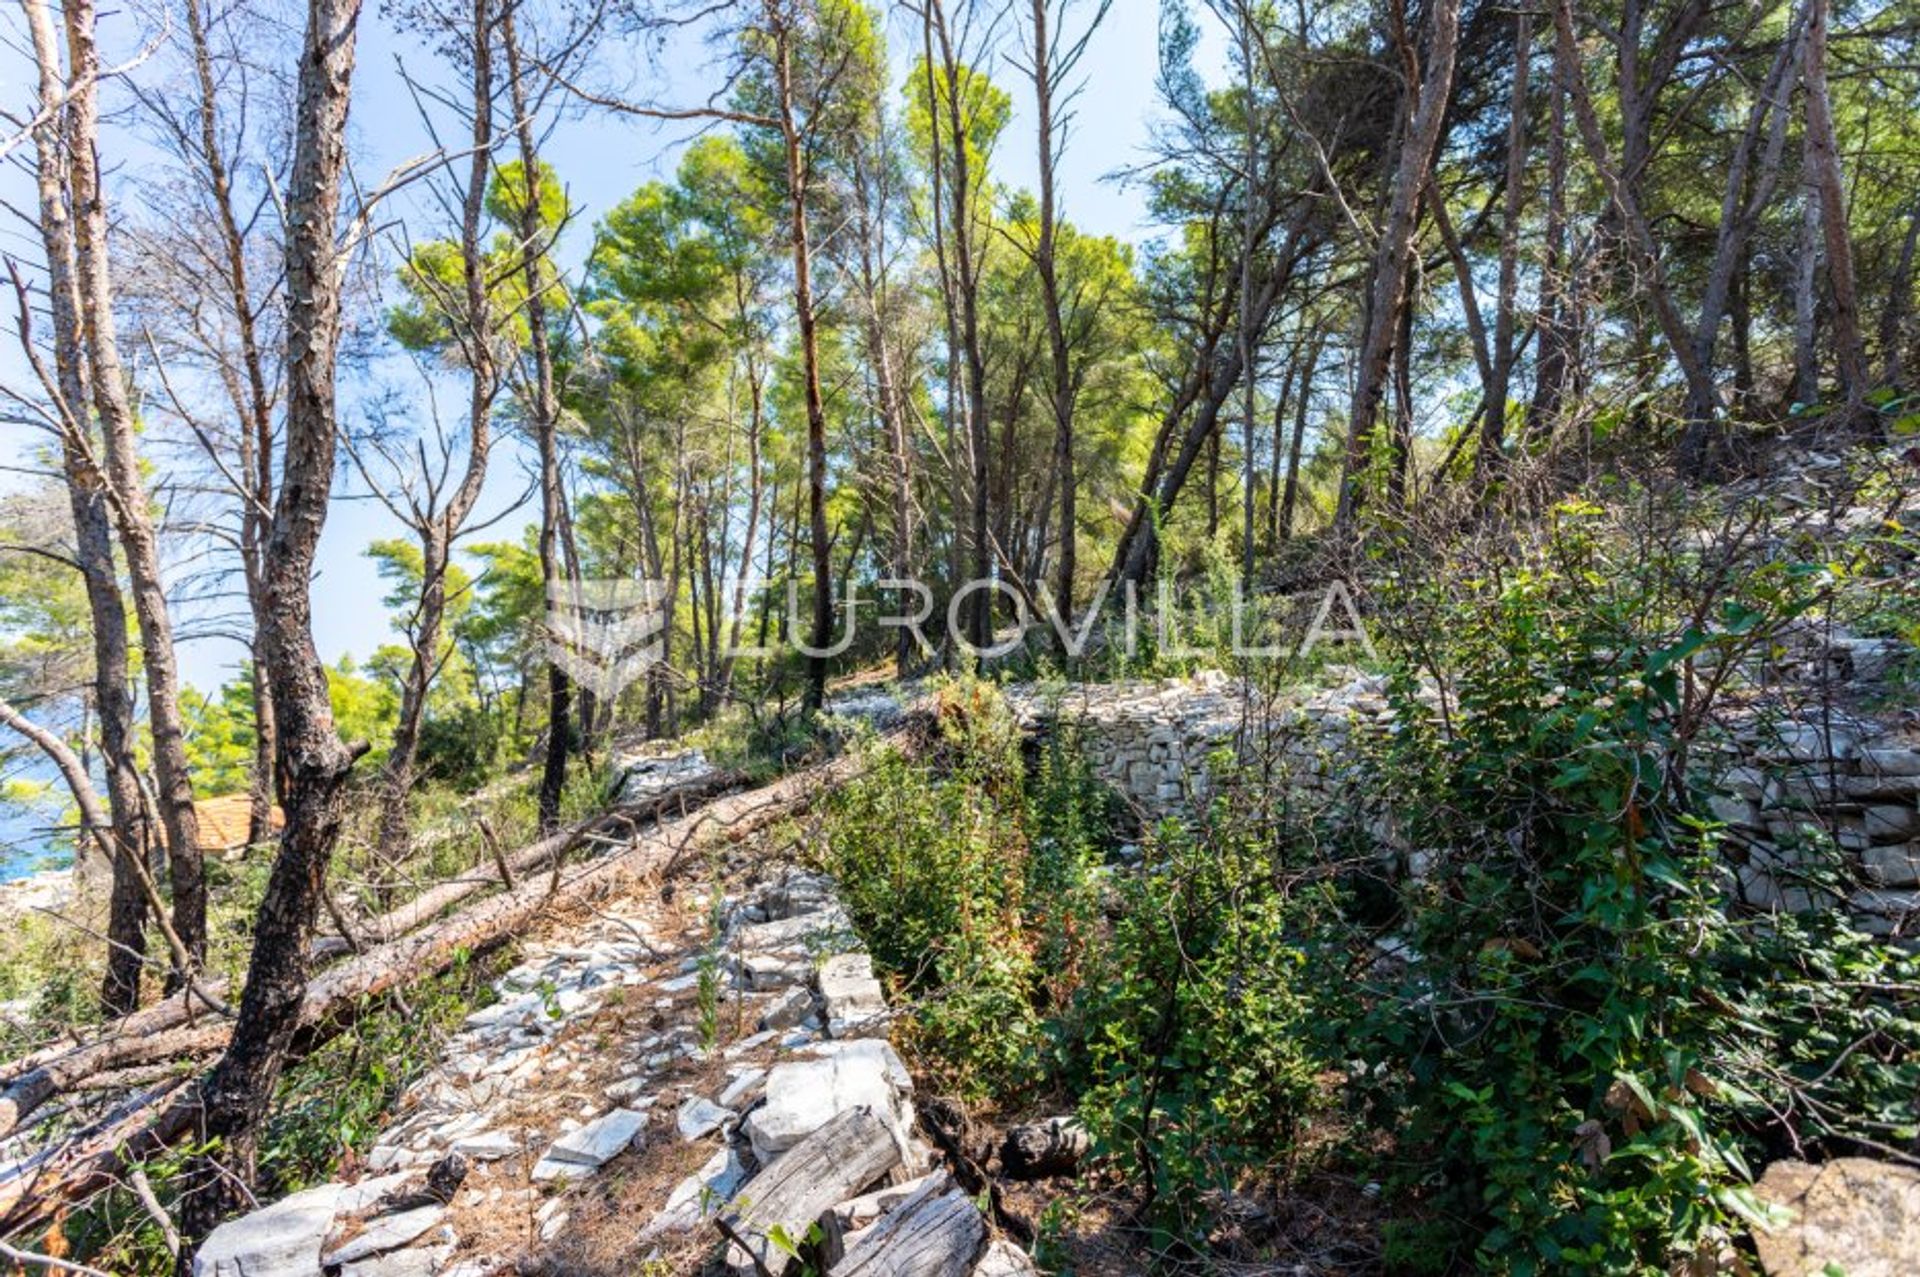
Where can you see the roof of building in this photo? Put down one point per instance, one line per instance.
(223, 821)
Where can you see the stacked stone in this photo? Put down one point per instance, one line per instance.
(1822, 807)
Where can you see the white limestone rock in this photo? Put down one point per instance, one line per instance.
(1002, 1258)
(787, 1010)
(599, 1141)
(697, 1197)
(389, 1232)
(700, 1117)
(804, 1095)
(281, 1240)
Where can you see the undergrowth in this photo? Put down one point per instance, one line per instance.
(1567, 1044)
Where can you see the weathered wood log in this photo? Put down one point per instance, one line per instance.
(937, 1232)
(33, 1191)
(1039, 1150)
(35, 1087)
(782, 1202)
(165, 1031)
(623, 820)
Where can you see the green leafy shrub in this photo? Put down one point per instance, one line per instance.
(975, 897)
(1199, 1063)
(1586, 1052)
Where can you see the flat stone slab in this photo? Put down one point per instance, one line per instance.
(281, 1240)
(487, 1146)
(852, 995)
(390, 1232)
(796, 935)
(744, 1087)
(1853, 1215)
(699, 1196)
(416, 1261)
(599, 1141)
(804, 1095)
(700, 1117)
(787, 1010)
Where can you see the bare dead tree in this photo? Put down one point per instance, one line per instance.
(426, 493)
(126, 490)
(234, 1098)
(1052, 62)
(126, 832)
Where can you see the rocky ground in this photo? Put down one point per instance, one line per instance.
(653, 1079)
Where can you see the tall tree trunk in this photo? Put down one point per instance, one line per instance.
(870, 206)
(1493, 425)
(756, 491)
(1703, 402)
(1061, 397)
(1400, 467)
(1387, 290)
(256, 426)
(1823, 167)
(1893, 319)
(797, 194)
(968, 254)
(235, 1097)
(1806, 284)
(1277, 456)
(546, 422)
(127, 491)
(1554, 357)
(1250, 365)
(1302, 397)
(1749, 190)
(437, 529)
(125, 840)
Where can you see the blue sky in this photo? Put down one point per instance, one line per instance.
(602, 159)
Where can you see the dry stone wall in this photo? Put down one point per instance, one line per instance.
(1822, 806)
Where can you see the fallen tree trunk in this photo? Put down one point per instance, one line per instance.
(935, 1233)
(850, 1151)
(35, 1087)
(431, 903)
(34, 1191)
(69, 1064)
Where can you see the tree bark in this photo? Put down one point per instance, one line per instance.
(1290, 493)
(1387, 289)
(1703, 401)
(1893, 319)
(235, 1097)
(1493, 425)
(1806, 282)
(1554, 358)
(127, 491)
(1823, 170)
(256, 427)
(1062, 389)
(127, 837)
(437, 529)
(968, 254)
(545, 409)
(779, 21)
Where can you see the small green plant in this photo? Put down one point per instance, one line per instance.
(971, 891)
(1198, 1057)
(708, 962)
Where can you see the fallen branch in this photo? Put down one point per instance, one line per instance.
(33, 1192)
(76, 1061)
